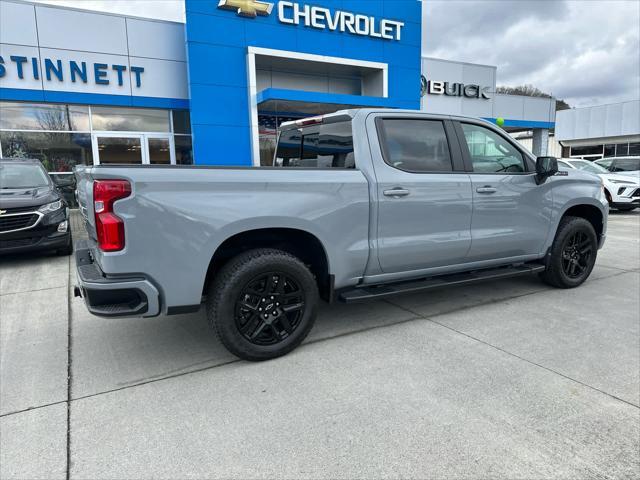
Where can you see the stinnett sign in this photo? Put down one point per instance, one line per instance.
(322, 18)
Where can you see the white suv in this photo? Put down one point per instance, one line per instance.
(622, 165)
(622, 190)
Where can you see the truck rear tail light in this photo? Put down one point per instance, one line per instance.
(109, 227)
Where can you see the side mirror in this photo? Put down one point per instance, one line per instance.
(545, 167)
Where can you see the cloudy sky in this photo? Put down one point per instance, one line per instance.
(584, 51)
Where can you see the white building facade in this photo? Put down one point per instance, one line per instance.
(600, 131)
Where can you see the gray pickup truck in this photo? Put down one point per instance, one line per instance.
(359, 204)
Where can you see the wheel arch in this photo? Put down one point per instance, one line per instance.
(300, 243)
(589, 212)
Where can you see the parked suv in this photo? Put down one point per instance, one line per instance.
(33, 212)
(623, 165)
(622, 191)
(364, 204)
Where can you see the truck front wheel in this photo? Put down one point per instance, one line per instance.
(573, 254)
(262, 304)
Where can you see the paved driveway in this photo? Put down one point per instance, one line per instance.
(508, 379)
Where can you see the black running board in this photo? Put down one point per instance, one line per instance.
(361, 294)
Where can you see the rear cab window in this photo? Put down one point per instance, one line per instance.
(316, 146)
(415, 145)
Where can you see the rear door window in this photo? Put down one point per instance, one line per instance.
(317, 146)
(416, 145)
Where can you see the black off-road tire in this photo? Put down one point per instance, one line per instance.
(228, 287)
(555, 275)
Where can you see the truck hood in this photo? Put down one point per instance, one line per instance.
(27, 197)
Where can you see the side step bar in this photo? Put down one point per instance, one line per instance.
(361, 294)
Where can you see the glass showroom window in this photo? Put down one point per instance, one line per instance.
(57, 135)
(61, 135)
(117, 119)
(34, 116)
(58, 152)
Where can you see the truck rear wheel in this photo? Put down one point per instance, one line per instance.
(262, 304)
(573, 254)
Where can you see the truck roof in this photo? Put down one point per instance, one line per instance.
(349, 114)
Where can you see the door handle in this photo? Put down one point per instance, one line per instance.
(396, 192)
(486, 189)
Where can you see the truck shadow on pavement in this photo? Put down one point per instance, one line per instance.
(111, 354)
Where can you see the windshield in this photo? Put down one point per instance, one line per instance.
(589, 166)
(563, 166)
(22, 175)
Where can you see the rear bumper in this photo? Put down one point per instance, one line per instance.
(106, 296)
(630, 202)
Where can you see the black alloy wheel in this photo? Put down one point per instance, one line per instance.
(576, 254)
(262, 303)
(572, 255)
(269, 308)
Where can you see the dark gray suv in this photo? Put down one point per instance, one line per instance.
(33, 212)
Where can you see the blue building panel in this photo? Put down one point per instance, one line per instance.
(230, 31)
(218, 41)
(229, 107)
(266, 35)
(222, 145)
(217, 65)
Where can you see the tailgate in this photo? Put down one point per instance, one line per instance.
(84, 196)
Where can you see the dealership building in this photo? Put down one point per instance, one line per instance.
(82, 87)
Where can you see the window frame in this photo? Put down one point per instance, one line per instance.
(529, 162)
(455, 156)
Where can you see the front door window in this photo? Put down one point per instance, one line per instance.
(490, 153)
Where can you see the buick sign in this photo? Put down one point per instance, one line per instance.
(454, 89)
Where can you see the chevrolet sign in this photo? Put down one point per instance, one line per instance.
(292, 13)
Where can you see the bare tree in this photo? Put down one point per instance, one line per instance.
(531, 91)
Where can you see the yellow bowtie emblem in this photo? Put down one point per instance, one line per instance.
(247, 8)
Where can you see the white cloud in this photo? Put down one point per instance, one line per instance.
(587, 52)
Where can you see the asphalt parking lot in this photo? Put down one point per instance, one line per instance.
(508, 379)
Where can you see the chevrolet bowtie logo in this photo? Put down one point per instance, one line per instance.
(247, 8)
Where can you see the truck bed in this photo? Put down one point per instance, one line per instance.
(183, 214)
